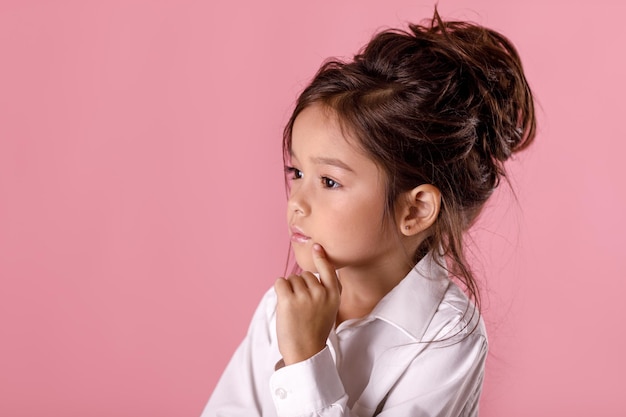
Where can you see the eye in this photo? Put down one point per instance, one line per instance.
(293, 173)
(329, 183)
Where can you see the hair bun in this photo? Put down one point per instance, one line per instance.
(492, 83)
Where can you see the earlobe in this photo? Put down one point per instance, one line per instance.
(420, 209)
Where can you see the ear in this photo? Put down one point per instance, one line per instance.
(419, 209)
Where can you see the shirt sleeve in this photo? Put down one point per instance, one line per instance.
(309, 388)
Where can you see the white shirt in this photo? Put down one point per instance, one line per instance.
(420, 352)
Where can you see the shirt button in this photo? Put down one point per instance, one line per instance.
(280, 393)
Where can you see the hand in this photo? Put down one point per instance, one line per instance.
(306, 309)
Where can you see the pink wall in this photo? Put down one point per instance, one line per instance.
(141, 198)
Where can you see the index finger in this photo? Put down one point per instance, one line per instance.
(328, 276)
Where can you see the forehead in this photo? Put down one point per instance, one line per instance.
(318, 132)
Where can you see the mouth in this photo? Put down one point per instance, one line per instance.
(297, 236)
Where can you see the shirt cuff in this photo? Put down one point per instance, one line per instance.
(306, 386)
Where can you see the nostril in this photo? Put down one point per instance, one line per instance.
(296, 206)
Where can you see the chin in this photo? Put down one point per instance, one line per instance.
(305, 262)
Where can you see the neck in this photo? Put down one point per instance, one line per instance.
(363, 288)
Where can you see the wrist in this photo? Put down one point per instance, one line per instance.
(301, 355)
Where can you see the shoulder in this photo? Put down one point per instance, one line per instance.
(457, 320)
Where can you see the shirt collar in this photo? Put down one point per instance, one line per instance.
(411, 304)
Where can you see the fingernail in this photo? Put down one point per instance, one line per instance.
(317, 247)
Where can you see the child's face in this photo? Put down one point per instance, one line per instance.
(337, 197)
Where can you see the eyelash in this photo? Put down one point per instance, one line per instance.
(296, 174)
(326, 182)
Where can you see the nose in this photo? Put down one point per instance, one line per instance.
(297, 203)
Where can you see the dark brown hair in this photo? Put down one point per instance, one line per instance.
(445, 103)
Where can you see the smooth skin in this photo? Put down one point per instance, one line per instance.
(336, 203)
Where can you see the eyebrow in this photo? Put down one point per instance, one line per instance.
(321, 160)
(331, 161)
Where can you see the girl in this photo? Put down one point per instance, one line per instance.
(390, 158)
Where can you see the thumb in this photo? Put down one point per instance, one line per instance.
(328, 276)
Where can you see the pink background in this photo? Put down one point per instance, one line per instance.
(142, 201)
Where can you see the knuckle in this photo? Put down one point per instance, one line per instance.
(279, 285)
(295, 278)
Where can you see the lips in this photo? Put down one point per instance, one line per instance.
(297, 236)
